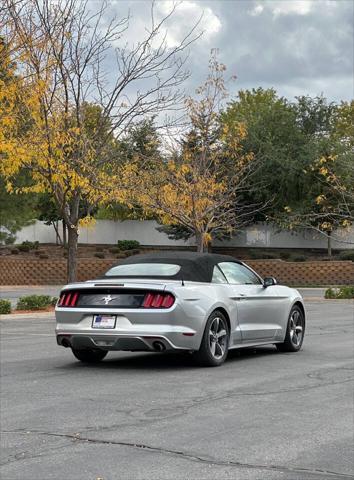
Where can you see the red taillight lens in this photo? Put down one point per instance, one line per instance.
(168, 301)
(68, 299)
(158, 300)
(148, 300)
(74, 299)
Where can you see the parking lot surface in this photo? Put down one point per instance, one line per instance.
(262, 415)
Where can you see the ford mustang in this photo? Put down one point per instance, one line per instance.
(202, 303)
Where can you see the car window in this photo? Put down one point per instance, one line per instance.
(144, 270)
(239, 274)
(218, 276)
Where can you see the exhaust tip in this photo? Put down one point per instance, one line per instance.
(65, 342)
(159, 346)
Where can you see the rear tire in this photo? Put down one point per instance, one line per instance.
(89, 355)
(215, 342)
(295, 331)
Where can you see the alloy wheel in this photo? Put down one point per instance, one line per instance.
(218, 337)
(296, 328)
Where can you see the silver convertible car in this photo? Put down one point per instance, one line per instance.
(178, 301)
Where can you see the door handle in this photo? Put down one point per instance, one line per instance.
(240, 296)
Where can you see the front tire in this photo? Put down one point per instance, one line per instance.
(215, 342)
(295, 331)
(89, 355)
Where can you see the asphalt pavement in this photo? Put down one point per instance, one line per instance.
(262, 415)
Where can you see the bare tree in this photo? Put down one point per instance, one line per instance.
(68, 57)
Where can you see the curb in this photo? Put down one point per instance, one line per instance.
(17, 316)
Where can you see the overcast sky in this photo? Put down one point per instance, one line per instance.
(298, 47)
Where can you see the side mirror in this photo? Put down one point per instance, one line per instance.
(269, 281)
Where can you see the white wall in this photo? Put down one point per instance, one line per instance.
(263, 235)
(103, 232)
(259, 235)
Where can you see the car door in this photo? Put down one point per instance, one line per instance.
(259, 315)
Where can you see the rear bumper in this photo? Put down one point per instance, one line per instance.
(135, 330)
(119, 342)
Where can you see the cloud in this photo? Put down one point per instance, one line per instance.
(297, 46)
(185, 16)
(297, 7)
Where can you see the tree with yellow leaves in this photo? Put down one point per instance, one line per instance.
(200, 186)
(59, 51)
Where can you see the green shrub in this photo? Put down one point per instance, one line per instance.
(24, 248)
(121, 255)
(35, 302)
(263, 255)
(99, 249)
(340, 293)
(43, 256)
(285, 255)
(15, 251)
(99, 255)
(128, 244)
(347, 255)
(115, 250)
(299, 258)
(29, 245)
(5, 306)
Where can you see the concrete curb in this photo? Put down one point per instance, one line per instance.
(18, 316)
(319, 299)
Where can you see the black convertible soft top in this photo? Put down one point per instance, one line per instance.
(196, 267)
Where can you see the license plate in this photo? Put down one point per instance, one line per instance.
(104, 321)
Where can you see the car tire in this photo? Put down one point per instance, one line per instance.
(215, 342)
(295, 331)
(89, 355)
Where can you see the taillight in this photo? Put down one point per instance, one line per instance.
(68, 299)
(158, 300)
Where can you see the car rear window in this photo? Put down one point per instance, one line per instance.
(144, 270)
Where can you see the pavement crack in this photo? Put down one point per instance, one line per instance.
(77, 437)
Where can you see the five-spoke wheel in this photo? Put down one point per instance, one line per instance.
(215, 342)
(218, 337)
(295, 331)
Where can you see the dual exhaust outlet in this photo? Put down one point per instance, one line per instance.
(157, 345)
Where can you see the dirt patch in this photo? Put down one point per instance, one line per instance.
(47, 309)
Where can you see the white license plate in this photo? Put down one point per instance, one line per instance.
(104, 321)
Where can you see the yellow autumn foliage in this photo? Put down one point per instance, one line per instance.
(43, 142)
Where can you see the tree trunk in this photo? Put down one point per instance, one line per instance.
(58, 239)
(72, 254)
(64, 233)
(199, 242)
(329, 244)
(72, 223)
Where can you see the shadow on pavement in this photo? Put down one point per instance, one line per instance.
(166, 361)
